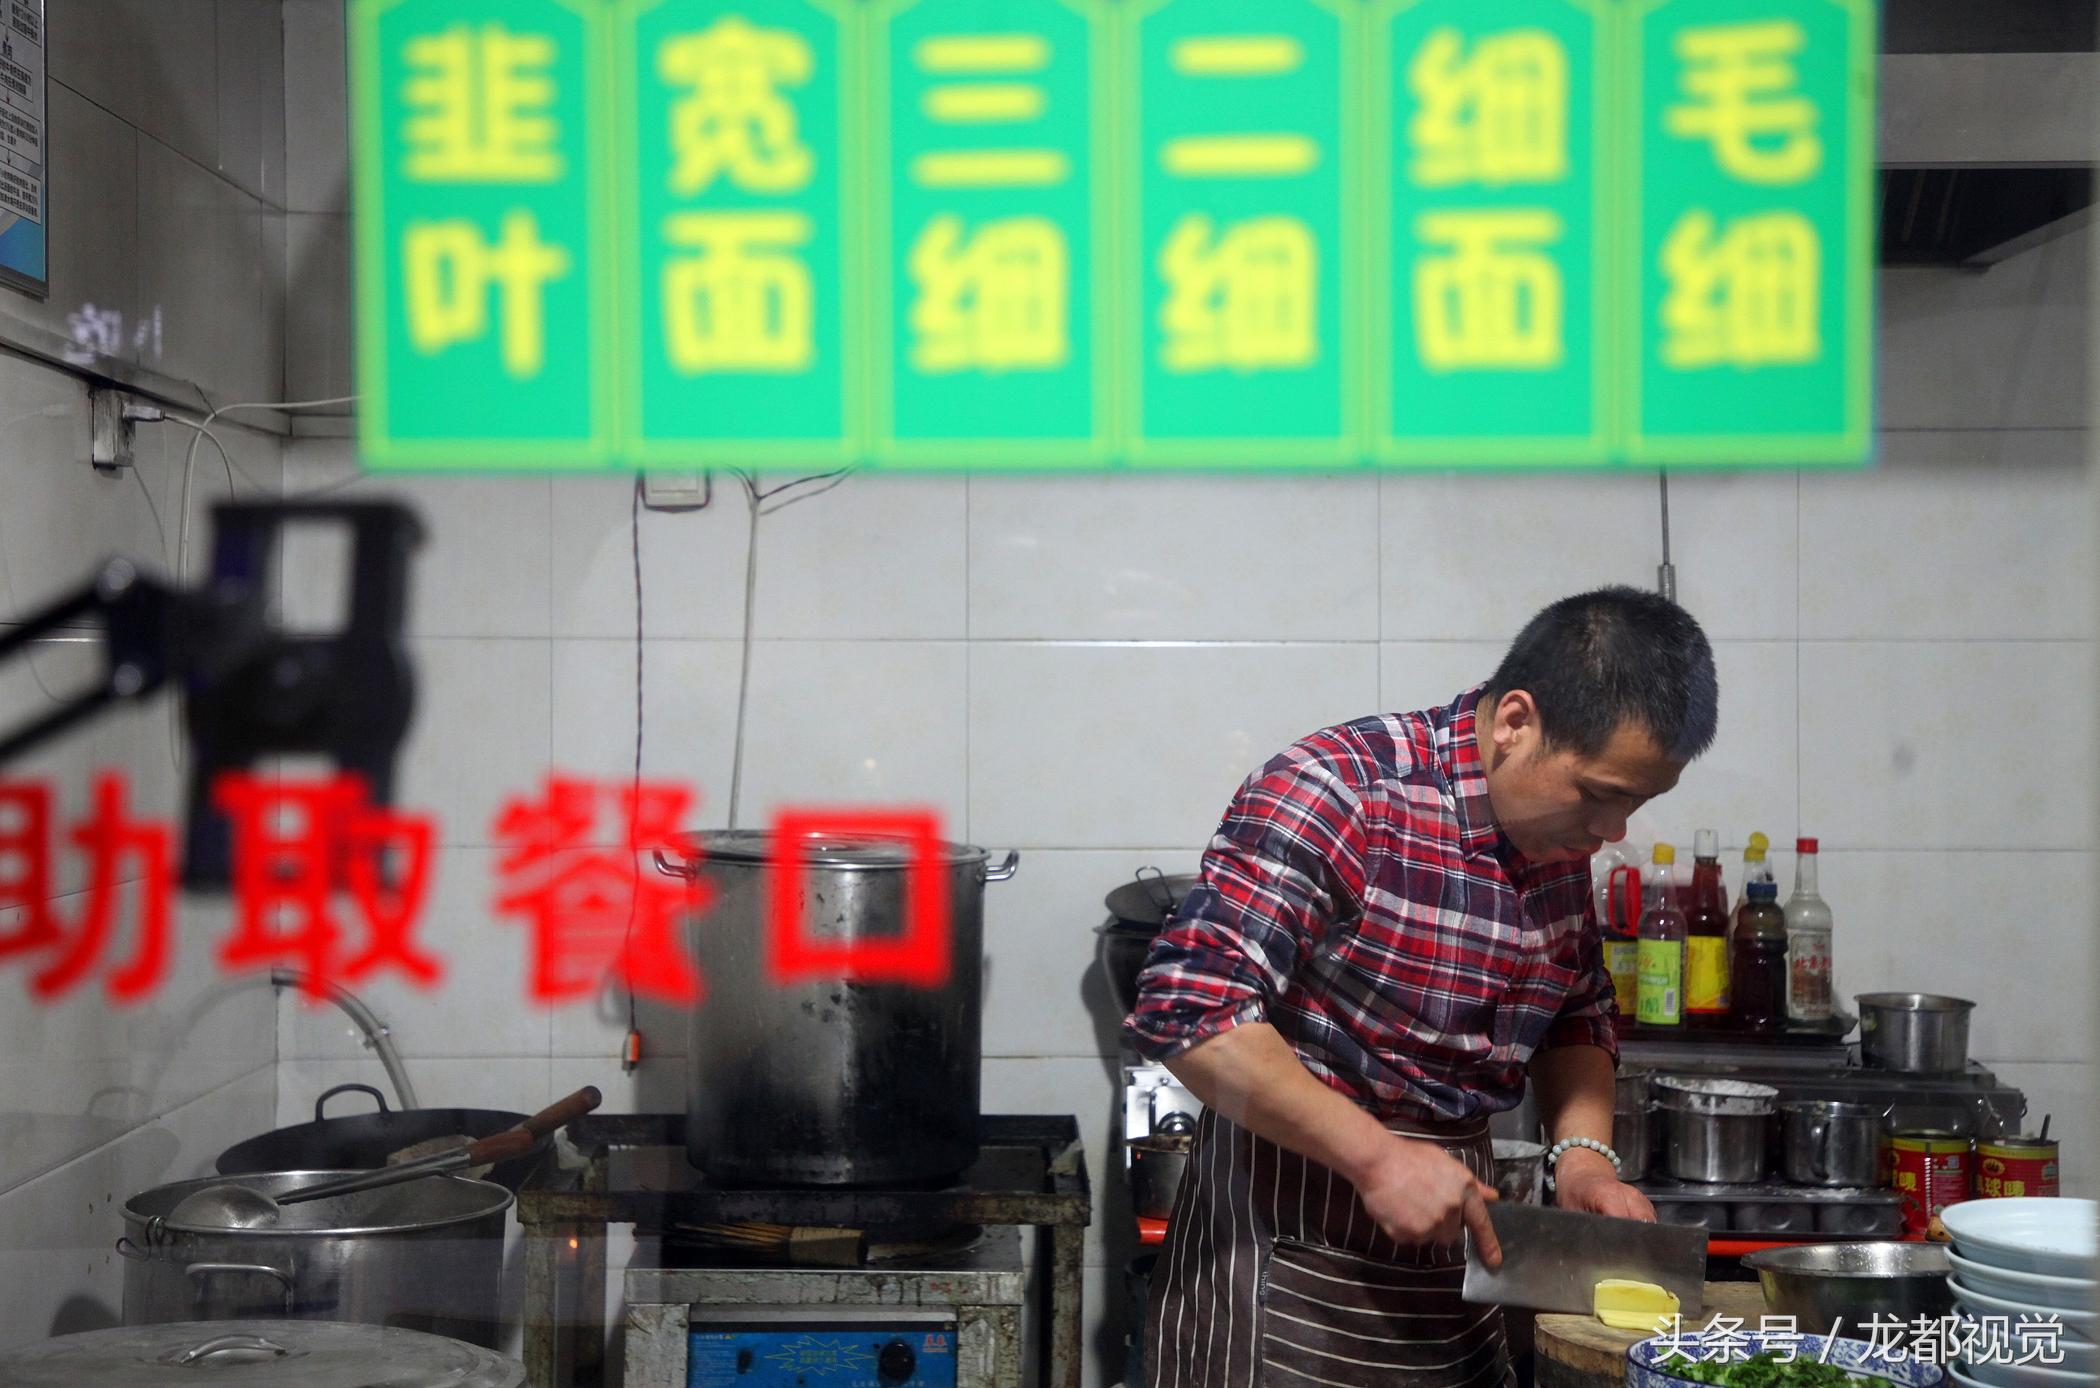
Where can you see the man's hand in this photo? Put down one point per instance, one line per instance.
(1586, 1182)
(1419, 1195)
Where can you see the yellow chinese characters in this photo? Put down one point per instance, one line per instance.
(994, 297)
(1744, 295)
(734, 118)
(451, 270)
(994, 300)
(1496, 116)
(1743, 95)
(1487, 295)
(1242, 299)
(481, 102)
(738, 298)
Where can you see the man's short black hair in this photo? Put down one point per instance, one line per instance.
(1617, 655)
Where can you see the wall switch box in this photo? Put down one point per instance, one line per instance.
(676, 491)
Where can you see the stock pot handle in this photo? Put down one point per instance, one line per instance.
(1007, 866)
(199, 1271)
(669, 868)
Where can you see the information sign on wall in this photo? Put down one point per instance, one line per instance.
(25, 142)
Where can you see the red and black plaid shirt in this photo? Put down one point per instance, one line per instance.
(1359, 897)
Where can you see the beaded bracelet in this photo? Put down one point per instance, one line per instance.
(1553, 1156)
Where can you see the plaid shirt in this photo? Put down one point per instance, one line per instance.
(1360, 898)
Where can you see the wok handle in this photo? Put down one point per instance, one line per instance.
(563, 1112)
(199, 1271)
(321, 1104)
(498, 1147)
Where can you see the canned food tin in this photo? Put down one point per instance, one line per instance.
(2013, 1166)
(1930, 1171)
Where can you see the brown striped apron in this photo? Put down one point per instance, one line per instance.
(1274, 1276)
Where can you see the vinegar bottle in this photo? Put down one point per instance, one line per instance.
(1662, 949)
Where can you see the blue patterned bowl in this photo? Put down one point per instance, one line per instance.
(1644, 1360)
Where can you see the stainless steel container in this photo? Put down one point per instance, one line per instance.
(424, 1255)
(255, 1354)
(832, 1080)
(1157, 1164)
(1914, 1033)
(1520, 1171)
(1827, 1143)
(1716, 1131)
(1821, 1284)
(1632, 1125)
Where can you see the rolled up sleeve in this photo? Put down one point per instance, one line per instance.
(1586, 1017)
(1286, 864)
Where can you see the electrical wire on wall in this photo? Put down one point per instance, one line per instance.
(762, 503)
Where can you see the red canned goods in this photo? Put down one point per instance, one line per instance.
(2013, 1166)
(1930, 1170)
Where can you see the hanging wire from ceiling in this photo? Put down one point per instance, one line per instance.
(1666, 572)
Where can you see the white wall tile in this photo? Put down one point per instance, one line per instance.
(1997, 350)
(878, 557)
(1098, 746)
(1045, 992)
(2064, 1093)
(2010, 931)
(689, 711)
(482, 567)
(251, 97)
(62, 517)
(658, 1087)
(499, 690)
(1473, 556)
(316, 107)
(94, 246)
(1953, 536)
(692, 562)
(153, 62)
(1958, 744)
(874, 723)
(479, 1008)
(1130, 556)
(1747, 780)
(317, 330)
(58, 1233)
(206, 269)
(1430, 674)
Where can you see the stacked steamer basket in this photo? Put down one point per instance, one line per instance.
(2026, 1265)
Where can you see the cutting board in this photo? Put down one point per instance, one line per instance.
(1581, 1352)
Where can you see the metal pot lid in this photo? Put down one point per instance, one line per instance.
(257, 1354)
(755, 846)
(428, 1203)
(1148, 900)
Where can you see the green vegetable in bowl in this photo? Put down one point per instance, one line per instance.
(1765, 1370)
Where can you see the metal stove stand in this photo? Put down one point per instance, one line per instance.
(1031, 1173)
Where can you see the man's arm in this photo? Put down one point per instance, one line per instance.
(1575, 1085)
(1415, 1191)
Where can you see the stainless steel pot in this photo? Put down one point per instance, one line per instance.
(424, 1255)
(255, 1354)
(1632, 1137)
(1826, 1143)
(836, 1080)
(1823, 1284)
(1914, 1033)
(1520, 1171)
(1714, 1147)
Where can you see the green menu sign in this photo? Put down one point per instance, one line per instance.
(1104, 233)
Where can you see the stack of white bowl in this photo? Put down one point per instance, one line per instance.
(2024, 1259)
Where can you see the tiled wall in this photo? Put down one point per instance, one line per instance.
(167, 243)
(1084, 669)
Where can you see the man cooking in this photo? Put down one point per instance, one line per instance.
(1393, 930)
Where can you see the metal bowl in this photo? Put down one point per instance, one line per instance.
(1819, 1284)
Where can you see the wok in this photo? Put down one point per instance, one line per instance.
(362, 1142)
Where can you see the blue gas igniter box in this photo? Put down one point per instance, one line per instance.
(811, 1347)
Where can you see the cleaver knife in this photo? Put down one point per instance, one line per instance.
(1552, 1260)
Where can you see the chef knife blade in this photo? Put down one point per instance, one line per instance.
(1552, 1260)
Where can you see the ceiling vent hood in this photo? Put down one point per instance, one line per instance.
(1990, 123)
